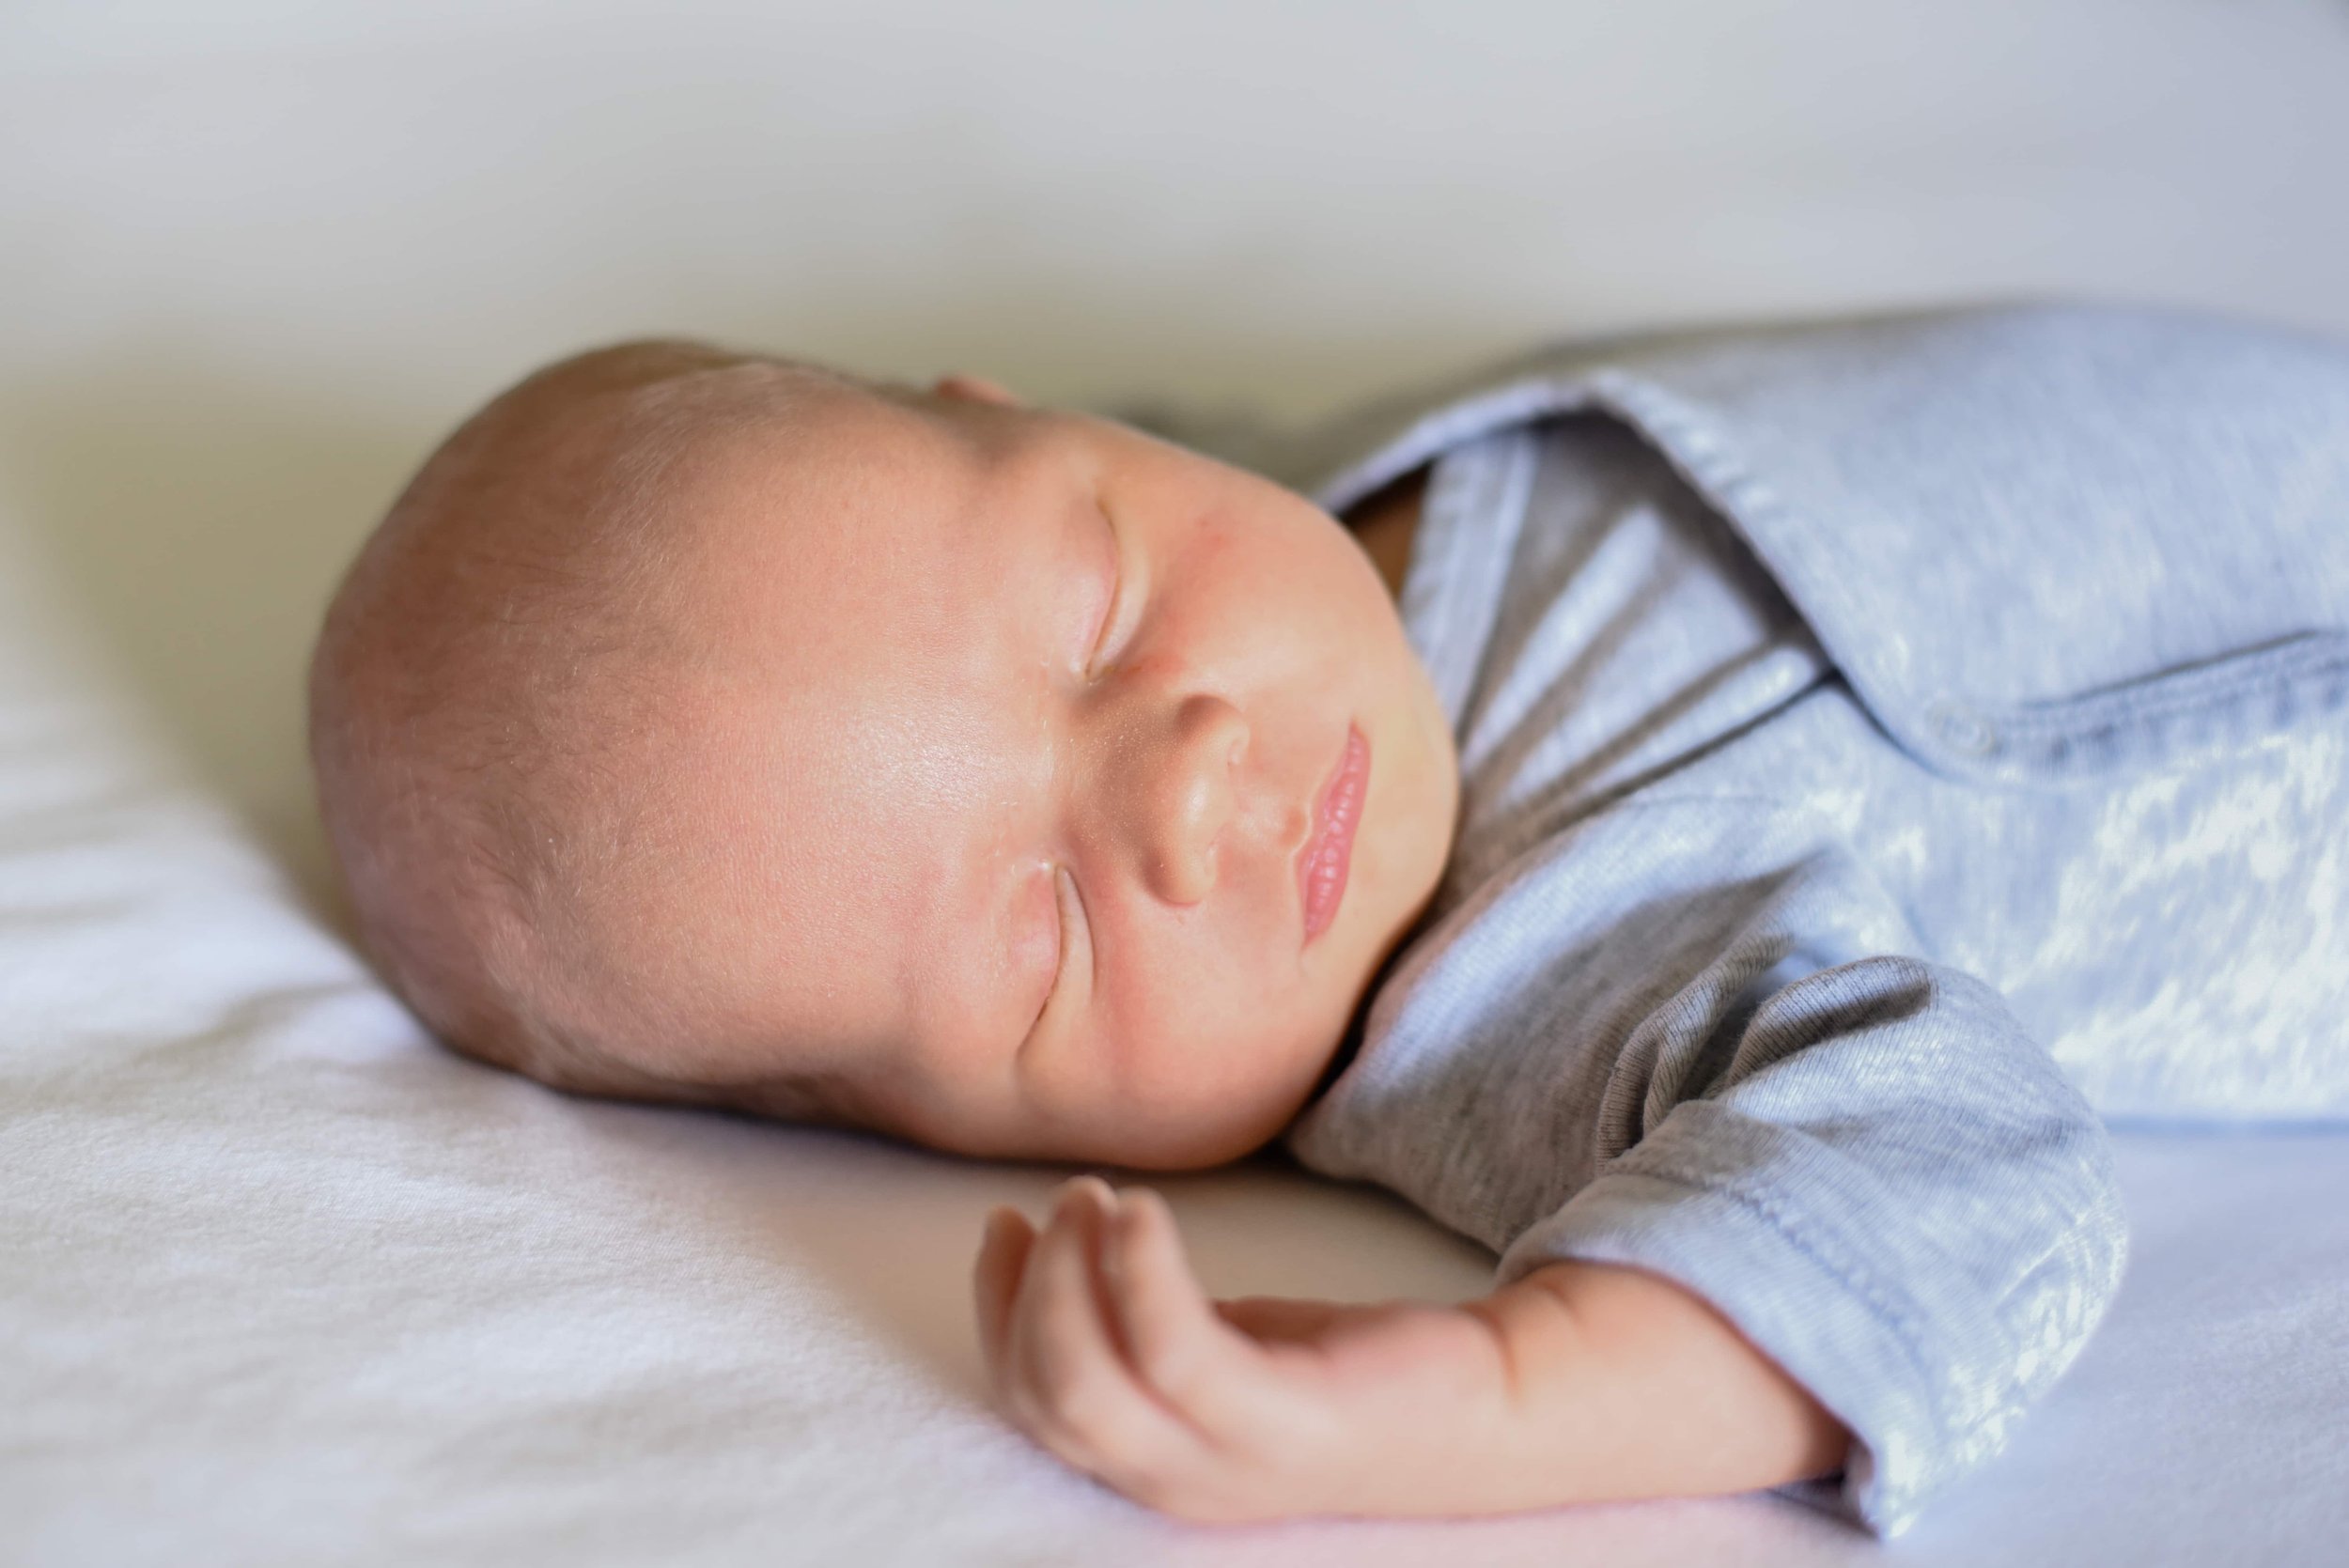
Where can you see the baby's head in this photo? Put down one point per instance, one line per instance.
(704, 726)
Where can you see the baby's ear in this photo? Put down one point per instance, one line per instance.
(976, 389)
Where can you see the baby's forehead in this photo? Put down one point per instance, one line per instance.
(862, 540)
(824, 449)
(839, 741)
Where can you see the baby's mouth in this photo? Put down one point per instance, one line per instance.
(1330, 850)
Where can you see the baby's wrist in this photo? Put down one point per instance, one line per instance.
(1636, 1386)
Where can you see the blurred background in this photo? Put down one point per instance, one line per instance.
(256, 254)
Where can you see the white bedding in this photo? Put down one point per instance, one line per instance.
(280, 1282)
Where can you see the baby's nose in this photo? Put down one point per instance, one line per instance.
(1186, 802)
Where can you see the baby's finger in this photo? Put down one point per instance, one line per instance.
(1049, 1339)
(995, 1280)
(1071, 1384)
(1182, 1350)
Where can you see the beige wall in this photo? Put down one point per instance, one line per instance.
(256, 254)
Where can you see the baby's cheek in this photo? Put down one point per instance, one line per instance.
(1217, 998)
(1032, 958)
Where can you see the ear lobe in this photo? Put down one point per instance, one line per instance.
(976, 389)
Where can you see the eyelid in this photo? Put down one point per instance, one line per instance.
(1076, 947)
(1123, 598)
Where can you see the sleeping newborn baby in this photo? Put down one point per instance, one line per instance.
(1715, 822)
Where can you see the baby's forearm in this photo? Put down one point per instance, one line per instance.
(1623, 1385)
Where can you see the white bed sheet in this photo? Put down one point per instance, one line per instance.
(281, 1282)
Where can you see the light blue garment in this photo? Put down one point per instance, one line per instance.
(1881, 742)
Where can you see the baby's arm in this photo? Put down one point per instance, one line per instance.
(1578, 1383)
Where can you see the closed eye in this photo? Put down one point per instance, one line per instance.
(1121, 602)
(1075, 962)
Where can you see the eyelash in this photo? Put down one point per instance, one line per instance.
(1060, 957)
(1117, 597)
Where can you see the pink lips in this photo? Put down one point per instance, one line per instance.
(1330, 849)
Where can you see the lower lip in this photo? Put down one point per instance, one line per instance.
(1330, 850)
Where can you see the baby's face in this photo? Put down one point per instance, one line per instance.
(1058, 788)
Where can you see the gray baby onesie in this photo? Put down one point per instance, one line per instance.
(1880, 744)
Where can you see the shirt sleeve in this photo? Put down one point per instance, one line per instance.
(1698, 1037)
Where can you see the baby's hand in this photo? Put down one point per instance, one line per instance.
(1578, 1382)
(1102, 1346)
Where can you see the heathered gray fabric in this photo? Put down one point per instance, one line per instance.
(1881, 741)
